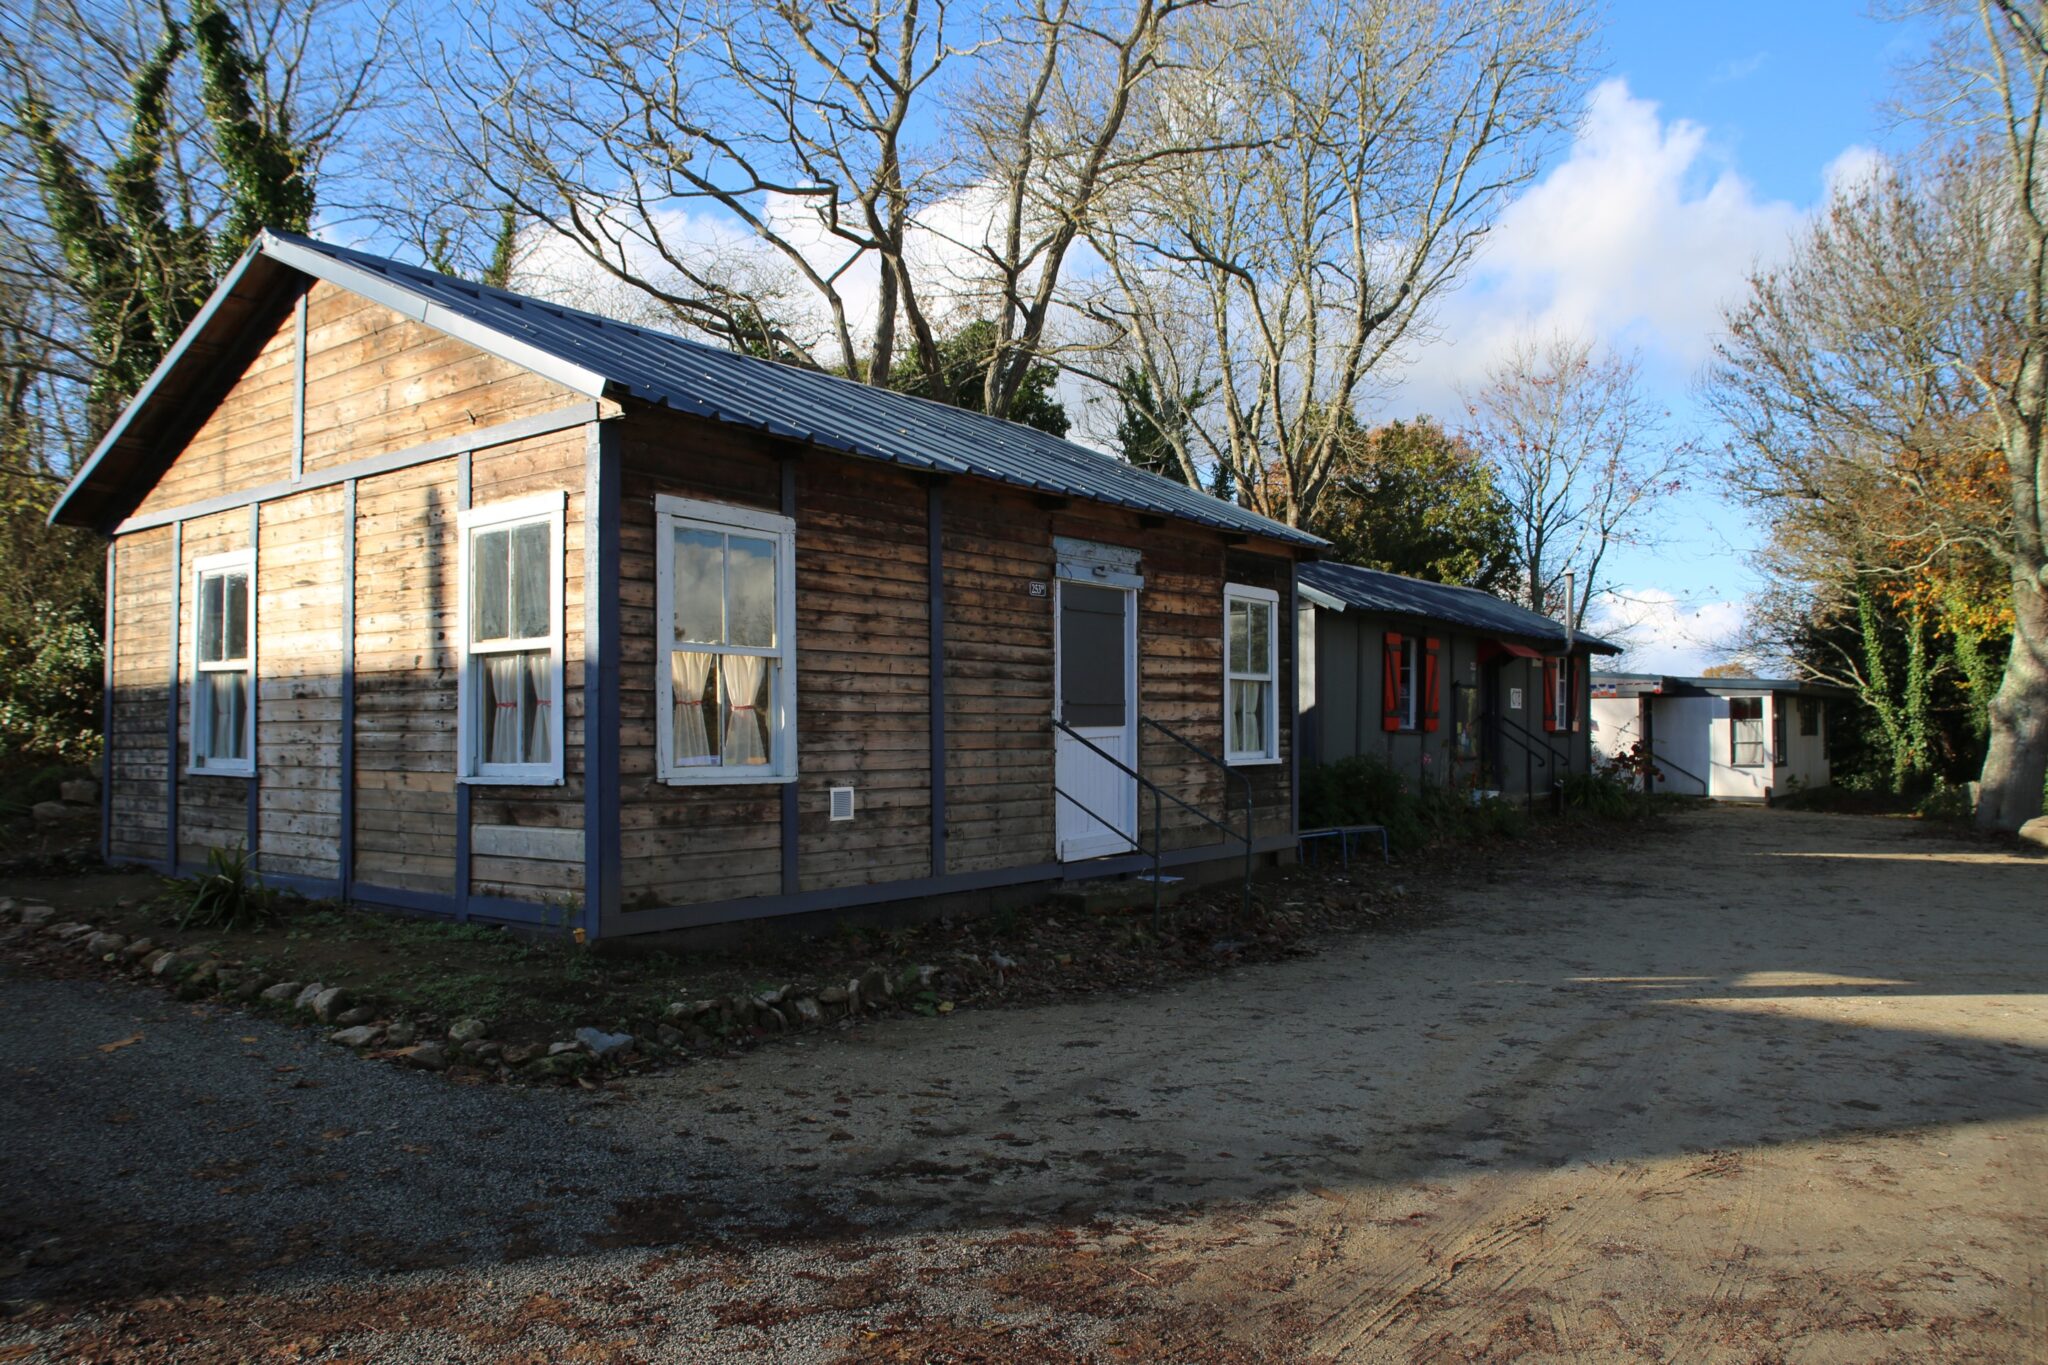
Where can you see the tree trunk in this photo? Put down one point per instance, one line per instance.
(2016, 767)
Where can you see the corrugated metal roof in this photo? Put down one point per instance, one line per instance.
(800, 404)
(1662, 684)
(1377, 590)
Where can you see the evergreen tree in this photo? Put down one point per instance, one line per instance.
(963, 366)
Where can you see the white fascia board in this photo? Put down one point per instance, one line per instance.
(407, 304)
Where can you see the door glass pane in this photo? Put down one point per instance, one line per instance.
(750, 569)
(235, 616)
(700, 587)
(1092, 649)
(489, 586)
(209, 619)
(530, 580)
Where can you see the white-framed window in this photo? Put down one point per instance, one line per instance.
(725, 625)
(1746, 732)
(510, 718)
(224, 664)
(1251, 674)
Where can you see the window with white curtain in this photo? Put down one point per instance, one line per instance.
(1251, 672)
(725, 611)
(511, 721)
(223, 664)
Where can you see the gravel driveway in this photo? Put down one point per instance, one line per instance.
(1755, 1086)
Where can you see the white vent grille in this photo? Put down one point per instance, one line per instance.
(842, 803)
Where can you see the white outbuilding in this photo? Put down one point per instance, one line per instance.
(1732, 739)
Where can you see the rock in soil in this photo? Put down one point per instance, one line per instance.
(329, 1003)
(467, 1031)
(361, 1036)
(604, 1044)
(283, 993)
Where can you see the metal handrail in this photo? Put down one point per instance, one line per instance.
(1250, 805)
(1159, 796)
(1661, 763)
(1543, 755)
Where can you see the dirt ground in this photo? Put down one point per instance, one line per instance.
(1755, 1086)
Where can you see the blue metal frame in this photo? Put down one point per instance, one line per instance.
(171, 704)
(602, 839)
(935, 569)
(792, 876)
(299, 388)
(107, 715)
(255, 682)
(462, 797)
(348, 688)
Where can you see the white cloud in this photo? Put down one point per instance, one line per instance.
(1663, 633)
(1637, 236)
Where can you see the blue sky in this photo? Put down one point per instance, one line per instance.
(1712, 136)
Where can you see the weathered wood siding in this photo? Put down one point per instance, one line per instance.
(300, 598)
(405, 674)
(684, 844)
(247, 439)
(137, 745)
(864, 666)
(999, 670)
(376, 383)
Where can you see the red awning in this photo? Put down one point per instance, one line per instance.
(1495, 649)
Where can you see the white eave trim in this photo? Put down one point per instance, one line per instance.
(382, 289)
(1319, 598)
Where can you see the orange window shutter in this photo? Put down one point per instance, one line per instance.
(1390, 682)
(1572, 699)
(1550, 695)
(1431, 706)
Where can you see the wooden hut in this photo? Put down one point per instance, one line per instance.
(435, 596)
(1446, 685)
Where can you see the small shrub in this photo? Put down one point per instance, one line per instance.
(1365, 791)
(228, 895)
(1604, 794)
(1946, 801)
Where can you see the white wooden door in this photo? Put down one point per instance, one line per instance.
(1096, 666)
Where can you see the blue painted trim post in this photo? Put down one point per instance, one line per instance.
(792, 876)
(1293, 680)
(462, 473)
(171, 704)
(107, 716)
(299, 388)
(348, 689)
(255, 679)
(602, 840)
(935, 570)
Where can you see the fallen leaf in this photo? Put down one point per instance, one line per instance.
(130, 1041)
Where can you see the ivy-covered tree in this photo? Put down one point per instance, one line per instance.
(140, 270)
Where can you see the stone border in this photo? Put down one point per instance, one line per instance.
(687, 1026)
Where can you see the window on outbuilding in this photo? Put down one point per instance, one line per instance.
(1746, 732)
(1560, 695)
(1251, 674)
(726, 615)
(223, 662)
(1809, 716)
(512, 641)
